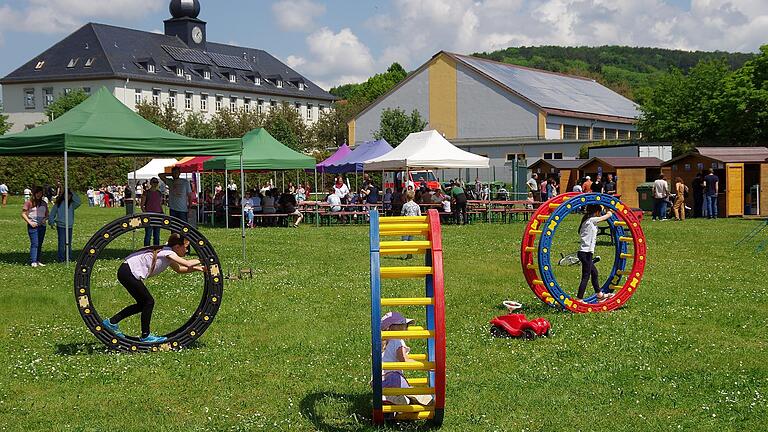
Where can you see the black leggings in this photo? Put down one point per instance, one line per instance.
(460, 209)
(144, 300)
(588, 270)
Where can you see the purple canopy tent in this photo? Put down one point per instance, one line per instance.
(353, 162)
(340, 154)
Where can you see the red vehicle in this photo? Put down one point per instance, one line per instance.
(517, 325)
(416, 178)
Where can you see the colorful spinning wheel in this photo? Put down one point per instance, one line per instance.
(197, 323)
(629, 260)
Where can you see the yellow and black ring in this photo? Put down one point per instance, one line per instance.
(197, 323)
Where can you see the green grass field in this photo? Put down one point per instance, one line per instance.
(290, 349)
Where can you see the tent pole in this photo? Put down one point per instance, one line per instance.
(213, 195)
(317, 206)
(133, 211)
(226, 199)
(242, 193)
(66, 206)
(282, 177)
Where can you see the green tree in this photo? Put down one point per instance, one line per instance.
(164, 116)
(374, 87)
(5, 125)
(396, 125)
(64, 103)
(742, 107)
(195, 126)
(287, 126)
(330, 130)
(235, 124)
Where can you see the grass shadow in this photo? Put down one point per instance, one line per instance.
(22, 258)
(91, 348)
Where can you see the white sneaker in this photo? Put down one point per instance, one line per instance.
(34, 264)
(40, 264)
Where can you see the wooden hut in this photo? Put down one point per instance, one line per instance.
(565, 170)
(628, 172)
(742, 171)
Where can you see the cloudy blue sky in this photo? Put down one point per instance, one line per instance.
(335, 41)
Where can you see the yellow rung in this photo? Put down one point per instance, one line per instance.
(533, 231)
(408, 301)
(417, 244)
(553, 205)
(538, 282)
(405, 272)
(402, 219)
(625, 255)
(417, 356)
(620, 223)
(406, 408)
(403, 229)
(542, 217)
(615, 287)
(532, 266)
(395, 391)
(401, 251)
(418, 382)
(410, 365)
(623, 272)
(625, 239)
(422, 415)
(407, 334)
(530, 249)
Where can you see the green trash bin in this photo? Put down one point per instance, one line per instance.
(645, 196)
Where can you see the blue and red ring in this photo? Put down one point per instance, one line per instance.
(623, 282)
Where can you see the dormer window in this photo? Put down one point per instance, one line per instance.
(179, 71)
(257, 81)
(40, 65)
(232, 77)
(279, 83)
(89, 62)
(72, 63)
(301, 86)
(188, 77)
(150, 67)
(206, 74)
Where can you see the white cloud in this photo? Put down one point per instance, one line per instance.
(297, 15)
(60, 16)
(334, 58)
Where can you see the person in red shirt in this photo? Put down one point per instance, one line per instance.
(586, 187)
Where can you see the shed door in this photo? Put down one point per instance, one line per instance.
(734, 194)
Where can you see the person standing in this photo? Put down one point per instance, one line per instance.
(57, 219)
(180, 194)
(35, 214)
(459, 199)
(586, 187)
(27, 194)
(679, 207)
(660, 195)
(609, 187)
(597, 185)
(152, 202)
(533, 186)
(711, 188)
(697, 186)
(341, 189)
(4, 193)
(89, 195)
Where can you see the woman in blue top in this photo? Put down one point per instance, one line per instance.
(588, 234)
(57, 218)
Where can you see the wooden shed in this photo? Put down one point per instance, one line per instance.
(565, 170)
(628, 172)
(742, 171)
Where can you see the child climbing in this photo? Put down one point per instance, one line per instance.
(395, 350)
(141, 265)
(588, 233)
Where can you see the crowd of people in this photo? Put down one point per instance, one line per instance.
(705, 187)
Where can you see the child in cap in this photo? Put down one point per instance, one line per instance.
(395, 350)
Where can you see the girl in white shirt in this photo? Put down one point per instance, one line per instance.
(588, 234)
(395, 350)
(141, 265)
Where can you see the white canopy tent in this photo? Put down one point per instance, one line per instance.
(426, 149)
(153, 169)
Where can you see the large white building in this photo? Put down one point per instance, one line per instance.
(180, 67)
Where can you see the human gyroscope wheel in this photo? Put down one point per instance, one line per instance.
(628, 240)
(197, 323)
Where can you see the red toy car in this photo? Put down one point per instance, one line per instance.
(517, 325)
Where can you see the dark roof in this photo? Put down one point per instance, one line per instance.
(118, 51)
(734, 154)
(561, 164)
(627, 162)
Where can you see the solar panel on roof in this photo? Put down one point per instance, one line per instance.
(228, 61)
(187, 55)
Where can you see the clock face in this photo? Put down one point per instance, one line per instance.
(197, 34)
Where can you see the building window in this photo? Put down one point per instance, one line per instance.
(309, 111)
(232, 77)
(320, 109)
(257, 81)
(87, 90)
(188, 101)
(623, 134)
(89, 63)
(247, 104)
(207, 75)
(40, 65)
(233, 103)
(260, 106)
(172, 98)
(137, 96)
(550, 156)
(150, 68)
(219, 101)
(272, 103)
(47, 96)
(598, 133)
(156, 96)
(610, 134)
(29, 98)
(279, 83)
(297, 107)
(569, 132)
(583, 132)
(72, 63)
(301, 86)
(203, 102)
(512, 157)
(67, 91)
(179, 72)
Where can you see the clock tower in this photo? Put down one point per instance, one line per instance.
(185, 24)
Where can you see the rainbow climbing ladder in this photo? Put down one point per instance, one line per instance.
(433, 361)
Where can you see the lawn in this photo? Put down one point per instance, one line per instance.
(290, 349)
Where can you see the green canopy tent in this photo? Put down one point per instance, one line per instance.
(261, 152)
(102, 126)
